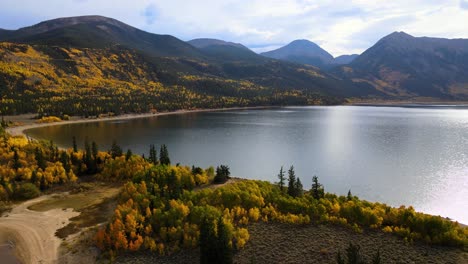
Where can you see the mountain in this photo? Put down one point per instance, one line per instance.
(99, 32)
(406, 66)
(226, 51)
(306, 52)
(91, 64)
(206, 42)
(345, 59)
(302, 51)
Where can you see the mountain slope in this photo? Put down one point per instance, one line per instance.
(302, 51)
(345, 59)
(100, 32)
(402, 65)
(223, 51)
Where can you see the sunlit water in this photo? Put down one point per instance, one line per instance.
(397, 155)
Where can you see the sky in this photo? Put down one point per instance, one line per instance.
(340, 27)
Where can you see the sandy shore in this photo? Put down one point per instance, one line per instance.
(33, 233)
(27, 122)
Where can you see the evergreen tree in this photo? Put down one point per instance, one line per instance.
(75, 147)
(349, 197)
(16, 162)
(282, 179)
(153, 157)
(222, 174)
(65, 160)
(128, 155)
(207, 242)
(33, 177)
(353, 252)
(298, 188)
(94, 149)
(291, 181)
(41, 163)
(317, 188)
(116, 150)
(224, 251)
(164, 155)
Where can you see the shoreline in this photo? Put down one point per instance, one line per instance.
(377, 102)
(20, 129)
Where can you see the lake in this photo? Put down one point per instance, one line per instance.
(413, 155)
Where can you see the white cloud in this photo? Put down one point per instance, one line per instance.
(341, 26)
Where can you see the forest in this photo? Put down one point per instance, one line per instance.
(88, 82)
(165, 208)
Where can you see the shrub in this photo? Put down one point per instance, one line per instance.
(26, 191)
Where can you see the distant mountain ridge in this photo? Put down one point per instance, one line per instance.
(306, 52)
(402, 65)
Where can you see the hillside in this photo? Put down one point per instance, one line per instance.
(56, 66)
(302, 51)
(401, 65)
(222, 51)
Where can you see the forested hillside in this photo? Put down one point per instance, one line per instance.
(93, 65)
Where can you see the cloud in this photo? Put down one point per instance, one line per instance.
(340, 26)
(150, 13)
(464, 4)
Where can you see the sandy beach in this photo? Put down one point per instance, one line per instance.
(33, 233)
(26, 121)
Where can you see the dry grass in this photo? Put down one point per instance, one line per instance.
(283, 243)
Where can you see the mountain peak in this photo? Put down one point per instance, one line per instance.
(57, 23)
(302, 51)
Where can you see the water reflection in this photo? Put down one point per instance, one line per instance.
(412, 155)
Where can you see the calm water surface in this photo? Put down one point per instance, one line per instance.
(397, 155)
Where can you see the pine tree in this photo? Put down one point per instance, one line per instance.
(16, 162)
(164, 155)
(207, 242)
(224, 250)
(153, 157)
(291, 181)
(128, 155)
(222, 174)
(298, 188)
(116, 150)
(94, 149)
(41, 163)
(75, 147)
(65, 160)
(349, 197)
(317, 188)
(282, 179)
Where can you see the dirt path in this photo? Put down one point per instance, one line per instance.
(33, 233)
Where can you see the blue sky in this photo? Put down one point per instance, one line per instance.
(340, 27)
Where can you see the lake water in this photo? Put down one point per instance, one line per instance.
(415, 155)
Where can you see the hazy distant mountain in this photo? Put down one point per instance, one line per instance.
(99, 32)
(345, 59)
(206, 42)
(226, 51)
(402, 65)
(302, 51)
(307, 52)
